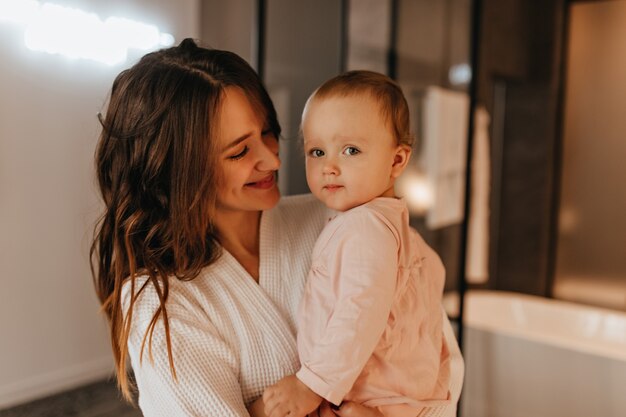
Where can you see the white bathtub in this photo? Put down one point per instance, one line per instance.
(529, 356)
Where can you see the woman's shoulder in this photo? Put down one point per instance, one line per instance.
(300, 203)
(302, 211)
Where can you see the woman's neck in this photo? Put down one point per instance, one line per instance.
(238, 233)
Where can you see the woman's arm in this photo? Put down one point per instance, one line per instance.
(348, 409)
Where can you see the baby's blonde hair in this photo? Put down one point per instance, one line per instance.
(382, 89)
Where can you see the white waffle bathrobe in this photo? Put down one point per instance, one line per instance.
(232, 337)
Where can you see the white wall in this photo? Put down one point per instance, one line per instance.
(52, 336)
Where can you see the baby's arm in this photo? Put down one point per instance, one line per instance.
(358, 271)
(290, 397)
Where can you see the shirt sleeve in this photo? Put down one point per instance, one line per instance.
(206, 367)
(361, 274)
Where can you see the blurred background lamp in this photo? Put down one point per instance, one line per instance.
(460, 74)
(17, 11)
(74, 33)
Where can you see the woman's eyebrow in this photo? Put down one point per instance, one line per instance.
(237, 141)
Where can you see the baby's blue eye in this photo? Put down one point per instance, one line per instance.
(351, 150)
(316, 153)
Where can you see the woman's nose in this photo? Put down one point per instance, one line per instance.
(268, 157)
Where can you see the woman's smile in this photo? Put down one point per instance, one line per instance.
(265, 183)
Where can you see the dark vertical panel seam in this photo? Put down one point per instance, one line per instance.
(261, 27)
(446, 45)
(462, 279)
(343, 35)
(392, 53)
(474, 49)
(557, 160)
(497, 171)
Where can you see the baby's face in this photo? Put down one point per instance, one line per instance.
(350, 151)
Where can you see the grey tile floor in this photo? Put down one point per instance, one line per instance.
(100, 399)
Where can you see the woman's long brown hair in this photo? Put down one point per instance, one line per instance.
(157, 171)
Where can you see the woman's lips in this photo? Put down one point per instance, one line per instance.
(264, 184)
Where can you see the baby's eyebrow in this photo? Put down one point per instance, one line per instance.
(354, 139)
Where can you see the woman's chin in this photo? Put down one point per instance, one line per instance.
(272, 198)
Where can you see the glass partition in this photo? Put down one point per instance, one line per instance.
(591, 250)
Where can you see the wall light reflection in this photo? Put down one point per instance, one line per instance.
(460, 74)
(74, 33)
(416, 190)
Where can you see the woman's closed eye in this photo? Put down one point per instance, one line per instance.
(240, 154)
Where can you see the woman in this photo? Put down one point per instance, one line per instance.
(200, 288)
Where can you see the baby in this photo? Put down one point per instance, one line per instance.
(370, 322)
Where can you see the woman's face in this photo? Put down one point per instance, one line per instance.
(248, 157)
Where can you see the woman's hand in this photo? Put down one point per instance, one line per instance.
(348, 409)
(256, 408)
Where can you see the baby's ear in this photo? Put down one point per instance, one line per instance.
(400, 160)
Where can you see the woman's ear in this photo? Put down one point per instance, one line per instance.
(400, 160)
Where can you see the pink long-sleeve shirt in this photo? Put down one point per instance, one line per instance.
(370, 322)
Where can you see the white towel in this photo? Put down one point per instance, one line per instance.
(445, 119)
(477, 256)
